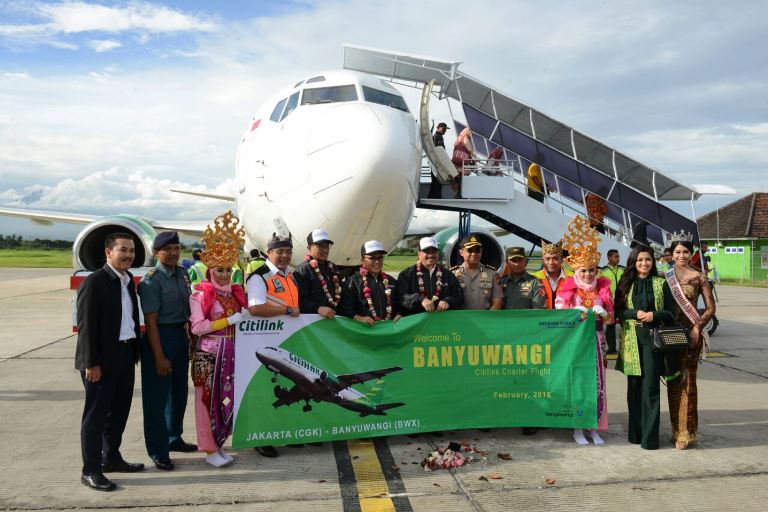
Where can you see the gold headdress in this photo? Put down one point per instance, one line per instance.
(222, 244)
(581, 241)
(556, 248)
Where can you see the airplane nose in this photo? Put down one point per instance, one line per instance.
(375, 156)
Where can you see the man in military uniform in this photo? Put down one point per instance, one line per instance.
(478, 282)
(318, 278)
(522, 291)
(164, 293)
(426, 286)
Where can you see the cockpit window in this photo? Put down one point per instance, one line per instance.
(384, 98)
(275, 116)
(316, 79)
(292, 102)
(329, 95)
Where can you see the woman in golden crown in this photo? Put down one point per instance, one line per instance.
(585, 291)
(687, 284)
(215, 310)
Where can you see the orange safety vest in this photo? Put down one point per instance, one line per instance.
(541, 275)
(281, 290)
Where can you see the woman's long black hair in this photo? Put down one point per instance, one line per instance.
(630, 275)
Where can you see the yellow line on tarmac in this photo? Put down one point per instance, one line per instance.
(371, 485)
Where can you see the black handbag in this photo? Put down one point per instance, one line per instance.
(670, 339)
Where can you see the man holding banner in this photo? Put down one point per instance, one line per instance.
(371, 294)
(426, 286)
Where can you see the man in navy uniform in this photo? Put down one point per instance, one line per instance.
(164, 293)
(107, 351)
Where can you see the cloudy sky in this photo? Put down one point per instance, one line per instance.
(104, 106)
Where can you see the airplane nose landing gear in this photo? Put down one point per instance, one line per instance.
(306, 407)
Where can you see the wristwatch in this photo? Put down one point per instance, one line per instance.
(289, 310)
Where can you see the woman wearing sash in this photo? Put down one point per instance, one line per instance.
(687, 285)
(643, 301)
(585, 291)
(215, 310)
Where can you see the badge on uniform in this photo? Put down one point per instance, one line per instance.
(526, 287)
(277, 283)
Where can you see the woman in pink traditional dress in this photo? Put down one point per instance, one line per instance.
(687, 284)
(585, 291)
(215, 310)
(463, 154)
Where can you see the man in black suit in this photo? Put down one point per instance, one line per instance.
(107, 351)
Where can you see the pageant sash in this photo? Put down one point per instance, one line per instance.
(687, 308)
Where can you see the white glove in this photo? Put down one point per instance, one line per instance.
(235, 318)
(245, 313)
(599, 310)
(581, 308)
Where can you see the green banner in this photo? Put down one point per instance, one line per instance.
(308, 379)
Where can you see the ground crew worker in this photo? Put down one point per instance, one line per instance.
(256, 261)
(522, 291)
(553, 275)
(479, 284)
(318, 278)
(613, 271)
(164, 293)
(272, 291)
(426, 286)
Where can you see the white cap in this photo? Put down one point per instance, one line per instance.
(428, 242)
(370, 247)
(317, 236)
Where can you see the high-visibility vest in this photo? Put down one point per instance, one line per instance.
(281, 290)
(541, 275)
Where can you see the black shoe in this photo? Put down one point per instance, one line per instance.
(122, 467)
(529, 431)
(165, 464)
(182, 446)
(296, 445)
(98, 482)
(315, 444)
(267, 451)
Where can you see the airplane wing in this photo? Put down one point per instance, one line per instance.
(291, 396)
(349, 379)
(192, 228)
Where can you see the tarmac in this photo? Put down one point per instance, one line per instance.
(41, 399)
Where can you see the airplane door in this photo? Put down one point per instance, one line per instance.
(250, 169)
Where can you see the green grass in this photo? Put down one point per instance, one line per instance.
(396, 263)
(36, 258)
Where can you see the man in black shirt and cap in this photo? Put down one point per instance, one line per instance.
(370, 294)
(317, 278)
(435, 187)
(427, 286)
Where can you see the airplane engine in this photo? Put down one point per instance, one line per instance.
(88, 249)
(323, 375)
(494, 254)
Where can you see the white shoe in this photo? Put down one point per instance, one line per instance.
(578, 436)
(228, 458)
(216, 460)
(596, 437)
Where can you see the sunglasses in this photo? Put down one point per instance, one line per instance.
(474, 249)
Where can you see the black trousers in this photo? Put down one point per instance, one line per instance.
(107, 404)
(610, 337)
(435, 188)
(643, 398)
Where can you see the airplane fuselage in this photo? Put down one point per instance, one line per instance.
(339, 150)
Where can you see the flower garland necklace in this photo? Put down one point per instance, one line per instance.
(334, 299)
(369, 298)
(438, 284)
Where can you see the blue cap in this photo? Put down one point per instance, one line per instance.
(165, 238)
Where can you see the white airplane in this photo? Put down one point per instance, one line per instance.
(338, 150)
(312, 383)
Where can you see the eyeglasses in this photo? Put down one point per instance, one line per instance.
(374, 258)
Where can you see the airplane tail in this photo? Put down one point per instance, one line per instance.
(379, 411)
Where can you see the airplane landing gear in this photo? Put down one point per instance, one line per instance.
(274, 378)
(306, 407)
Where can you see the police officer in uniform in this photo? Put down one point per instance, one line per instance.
(272, 291)
(164, 293)
(318, 278)
(478, 282)
(521, 289)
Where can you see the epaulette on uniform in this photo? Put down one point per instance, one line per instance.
(455, 268)
(151, 272)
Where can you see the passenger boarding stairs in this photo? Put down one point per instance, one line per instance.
(573, 164)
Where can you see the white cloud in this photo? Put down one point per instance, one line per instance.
(103, 45)
(17, 75)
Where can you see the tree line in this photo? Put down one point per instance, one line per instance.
(17, 242)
